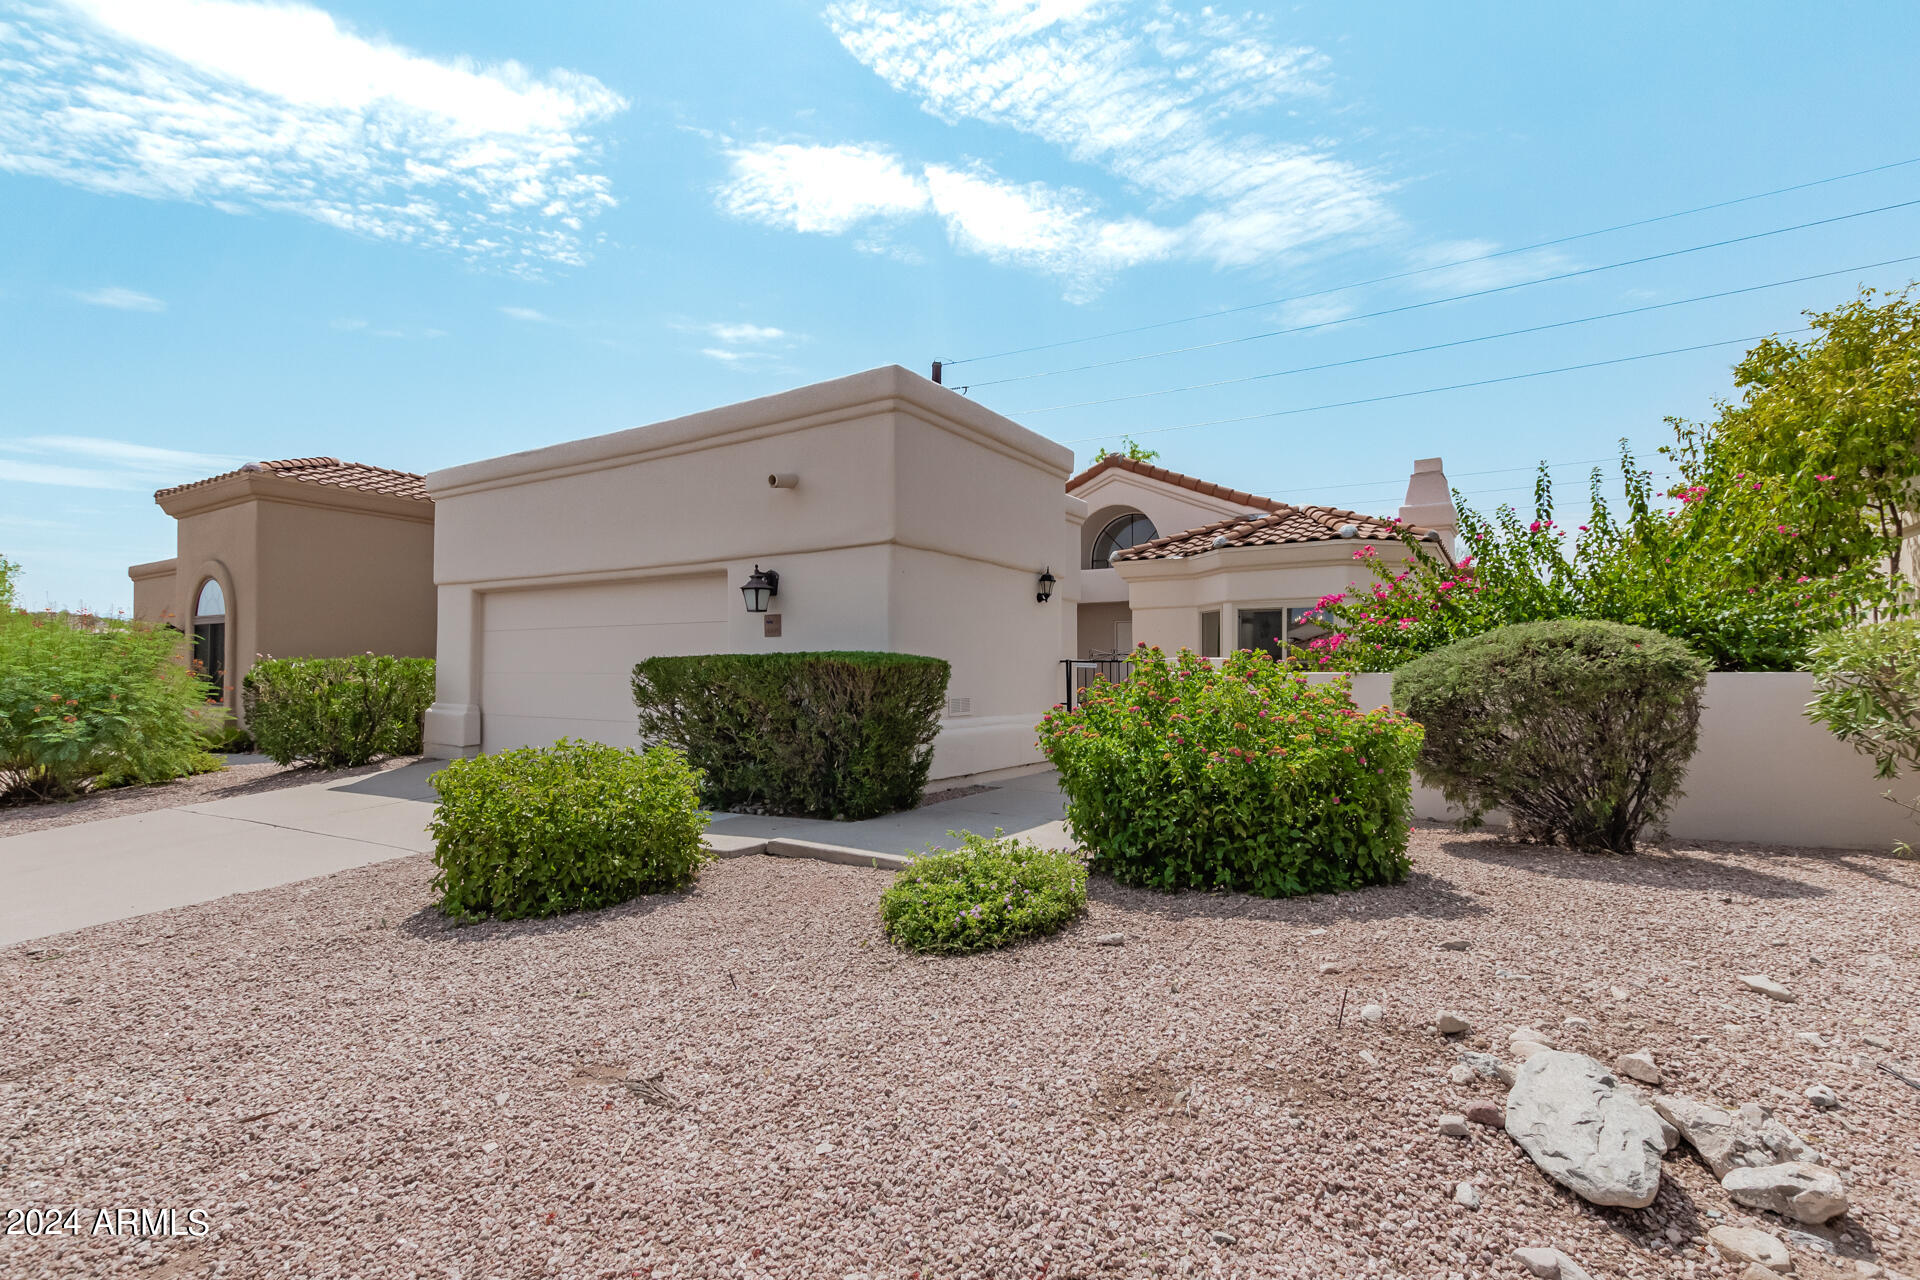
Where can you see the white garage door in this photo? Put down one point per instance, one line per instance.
(558, 661)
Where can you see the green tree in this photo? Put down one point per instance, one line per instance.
(1814, 467)
(1131, 448)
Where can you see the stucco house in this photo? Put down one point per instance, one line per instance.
(876, 511)
(299, 557)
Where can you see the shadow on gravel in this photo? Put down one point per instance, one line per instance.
(1420, 895)
(1693, 870)
(428, 925)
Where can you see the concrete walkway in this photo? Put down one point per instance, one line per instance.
(117, 868)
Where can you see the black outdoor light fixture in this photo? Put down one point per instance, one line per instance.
(763, 586)
(1046, 585)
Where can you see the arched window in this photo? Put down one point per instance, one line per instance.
(210, 636)
(1127, 531)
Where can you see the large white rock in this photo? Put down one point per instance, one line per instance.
(1584, 1130)
(1767, 987)
(1728, 1140)
(1550, 1264)
(1803, 1192)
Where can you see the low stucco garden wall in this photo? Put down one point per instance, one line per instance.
(1763, 773)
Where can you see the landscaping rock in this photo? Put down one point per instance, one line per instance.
(1467, 1195)
(1749, 1244)
(1371, 1013)
(1524, 1049)
(1574, 1022)
(1726, 1141)
(1767, 987)
(1451, 1024)
(1754, 1271)
(1489, 1114)
(1639, 1066)
(1488, 1067)
(1876, 1040)
(1111, 940)
(1520, 1034)
(1812, 1039)
(1550, 1264)
(1223, 1237)
(1803, 1192)
(1455, 944)
(1461, 1073)
(1822, 1097)
(1571, 1115)
(1453, 1126)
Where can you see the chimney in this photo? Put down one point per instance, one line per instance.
(1429, 503)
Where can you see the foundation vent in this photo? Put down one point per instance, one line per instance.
(959, 707)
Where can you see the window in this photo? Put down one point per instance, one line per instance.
(210, 636)
(1210, 634)
(1264, 629)
(1128, 531)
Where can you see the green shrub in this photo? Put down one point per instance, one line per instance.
(1243, 776)
(572, 827)
(986, 893)
(822, 735)
(338, 712)
(87, 702)
(1867, 682)
(1580, 730)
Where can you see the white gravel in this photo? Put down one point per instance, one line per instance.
(745, 1080)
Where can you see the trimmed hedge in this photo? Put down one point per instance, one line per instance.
(819, 735)
(1581, 730)
(1239, 776)
(990, 892)
(337, 712)
(572, 827)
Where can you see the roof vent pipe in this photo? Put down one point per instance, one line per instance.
(1349, 531)
(782, 480)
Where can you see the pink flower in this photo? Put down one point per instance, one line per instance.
(1820, 478)
(1534, 527)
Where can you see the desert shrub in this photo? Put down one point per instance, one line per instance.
(338, 712)
(1867, 682)
(822, 735)
(1580, 730)
(87, 702)
(572, 827)
(1243, 776)
(989, 892)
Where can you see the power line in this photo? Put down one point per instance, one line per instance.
(1443, 266)
(1458, 297)
(1427, 391)
(1270, 491)
(1457, 342)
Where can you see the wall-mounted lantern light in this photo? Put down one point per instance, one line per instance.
(1046, 585)
(763, 586)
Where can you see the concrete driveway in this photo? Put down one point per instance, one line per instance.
(116, 868)
(92, 872)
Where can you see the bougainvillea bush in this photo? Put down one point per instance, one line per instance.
(87, 702)
(1666, 564)
(1244, 775)
(989, 892)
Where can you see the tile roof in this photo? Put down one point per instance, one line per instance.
(327, 471)
(1121, 462)
(1283, 524)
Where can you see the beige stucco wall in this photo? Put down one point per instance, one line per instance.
(154, 590)
(342, 582)
(1097, 629)
(1115, 493)
(1763, 774)
(919, 523)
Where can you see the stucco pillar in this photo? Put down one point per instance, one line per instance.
(453, 721)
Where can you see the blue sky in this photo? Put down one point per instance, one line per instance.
(419, 235)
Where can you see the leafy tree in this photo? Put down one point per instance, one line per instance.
(1820, 455)
(1131, 448)
(1867, 691)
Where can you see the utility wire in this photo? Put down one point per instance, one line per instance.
(1457, 342)
(1270, 491)
(1427, 391)
(1443, 266)
(1457, 297)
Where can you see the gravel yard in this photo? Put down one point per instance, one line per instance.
(746, 1080)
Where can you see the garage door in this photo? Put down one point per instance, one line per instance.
(558, 661)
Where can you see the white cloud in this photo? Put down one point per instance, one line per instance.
(120, 299)
(1154, 102)
(527, 314)
(741, 343)
(91, 462)
(746, 332)
(1440, 277)
(247, 106)
(819, 189)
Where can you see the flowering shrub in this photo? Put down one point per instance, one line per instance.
(1240, 776)
(87, 702)
(818, 735)
(987, 893)
(338, 712)
(1668, 569)
(1868, 692)
(572, 827)
(1580, 730)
